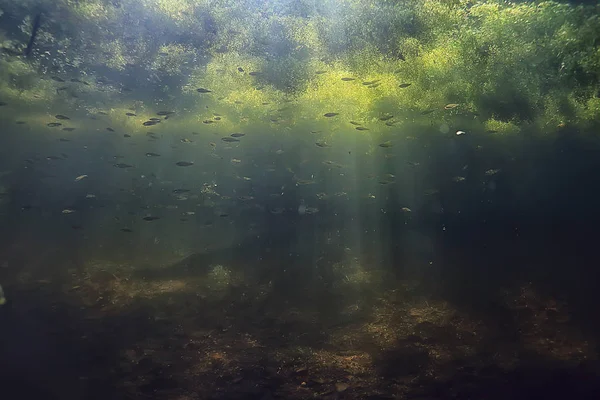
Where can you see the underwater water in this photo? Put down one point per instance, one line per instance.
(334, 199)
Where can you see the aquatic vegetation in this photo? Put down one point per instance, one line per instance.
(493, 126)
(218, 278)
(504, 61)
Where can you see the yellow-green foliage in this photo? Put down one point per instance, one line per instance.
(501, 127)
(302, 34)
(177, 10)
(170, 59)
(512, 63)
(92, 10)
(591, 110)
(19, 82)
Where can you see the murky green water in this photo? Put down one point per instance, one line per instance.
(299, 199)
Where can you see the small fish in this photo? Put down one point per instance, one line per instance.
(152, 155)
(348, 79)
(63, 140)
(236, 135)
(184, 163)
(150, 123)
(371, 82)
(150, 218)
(331, 163)
(203, 90)
(57, 79)
(90, 196)
(386, 117)
(236, 161)
(240, 69)
(179, 191)
(126, 135)
(68, 129)
(130, 114)
(404, 85)
(122, 165)
(80, 177)
(320, 72)
(459, 179)
(330, 114)
(303, 182)
(311, 210)
(208, 121)
(386, 144)
(165, 112)
(54, 124)
(230, 139)
(110, 129)
(459, 133)
(60, 116)
(450, 106)
(49, 158)
(390, 123)
(68, 211)
(491, 172)
(355, 123)
(322, 144)
(361, 128)
(406, 210)
(155, 119)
